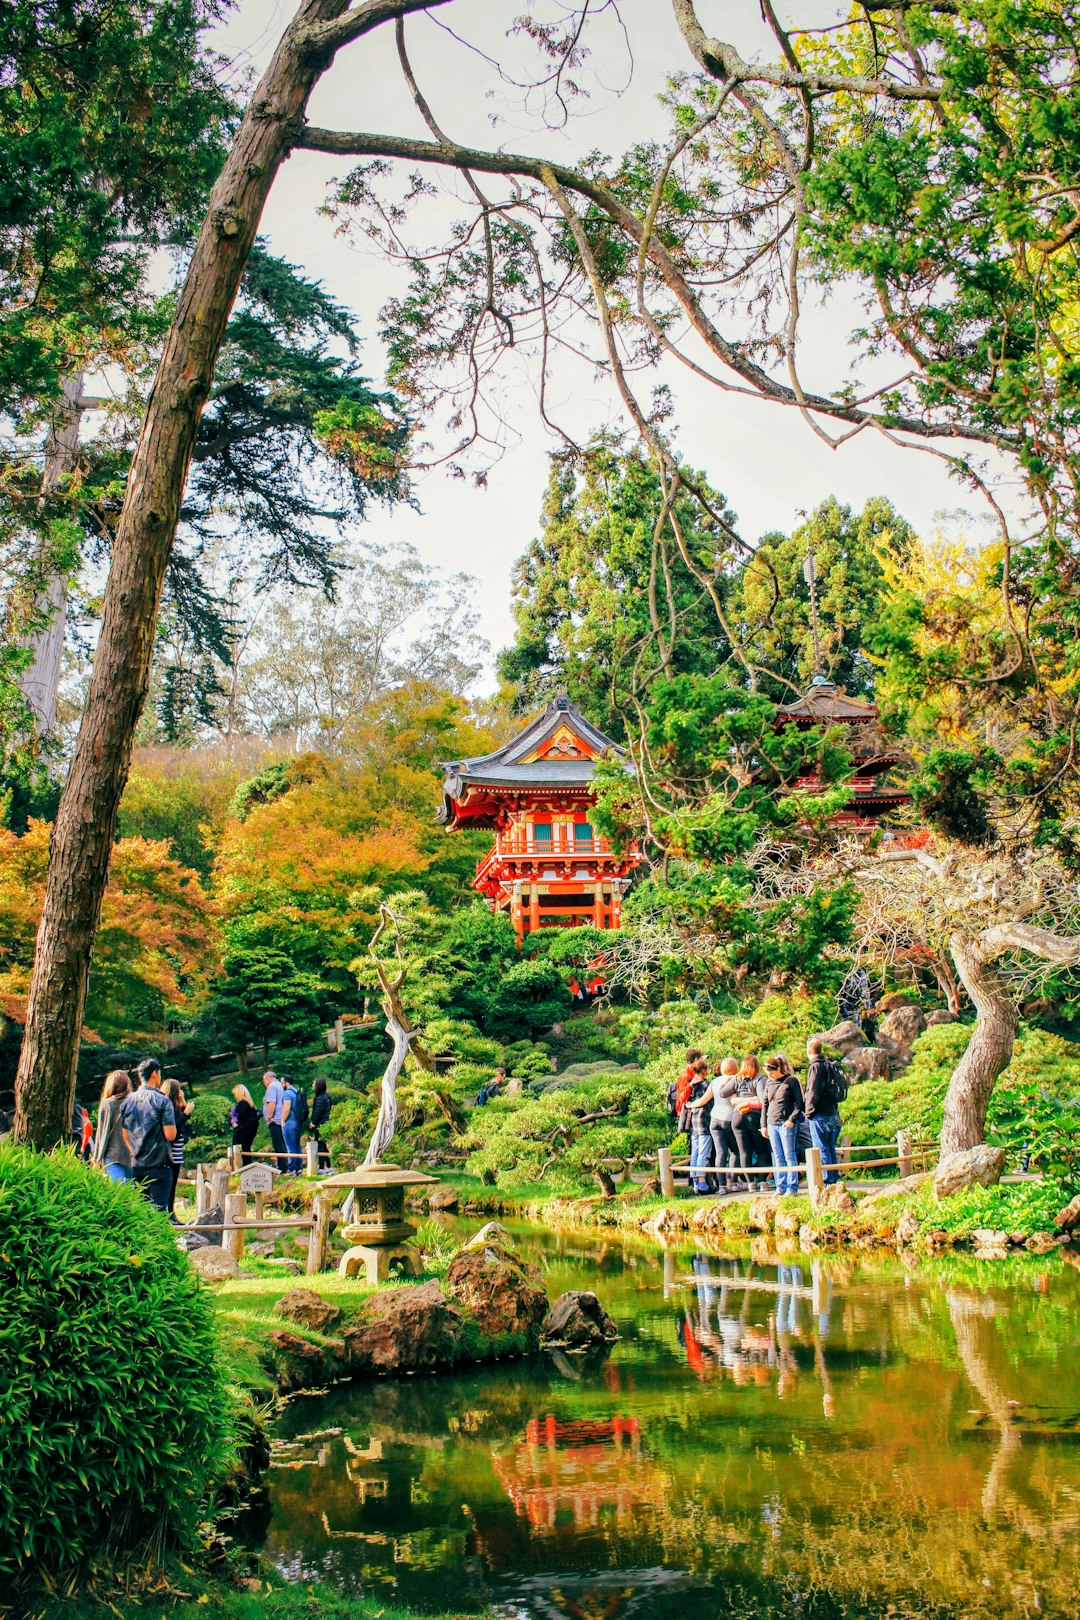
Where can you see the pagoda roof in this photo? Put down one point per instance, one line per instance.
(825, 701)
(559, 749)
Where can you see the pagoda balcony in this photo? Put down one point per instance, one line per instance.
(512, 852)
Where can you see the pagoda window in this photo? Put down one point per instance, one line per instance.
(542, 832)
(583, 833)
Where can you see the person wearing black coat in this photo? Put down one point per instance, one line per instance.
(245, 1122)
(783, 1111)
(320, 1114)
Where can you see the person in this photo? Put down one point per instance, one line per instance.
(826, 1088)
(244, 1119)
(320, 1115)
(714, 1104)
(273, 1102)
(181, 1110)
(112, 1144)
(746, 1117)
(492, 1089)
(290, 1125)
(695, 1119)
(147, 1116)
(783, 1110)
(679, 1089)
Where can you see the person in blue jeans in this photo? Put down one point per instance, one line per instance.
(290, 1127)
(822, 1104)
(783, 1111)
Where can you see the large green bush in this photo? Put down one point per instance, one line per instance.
(114, 1413)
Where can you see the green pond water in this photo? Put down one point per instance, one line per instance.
(827, 1438)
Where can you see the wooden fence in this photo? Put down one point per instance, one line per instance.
(212, 1185)
(908, 1154)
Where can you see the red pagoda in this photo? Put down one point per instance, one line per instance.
(549, 868)
(828, 705)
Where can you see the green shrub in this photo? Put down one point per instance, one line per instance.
(114, 1412)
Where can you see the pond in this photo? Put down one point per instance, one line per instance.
(826, 1438)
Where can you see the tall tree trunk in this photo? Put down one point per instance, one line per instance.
(83, 835)
(986, 1054)
(40, 683)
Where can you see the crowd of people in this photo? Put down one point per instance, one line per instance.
(143, 1124)
(742, 1118)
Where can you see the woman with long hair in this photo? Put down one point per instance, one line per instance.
(112, 1145)
(244, 1119)
(747, 1117)
(320, 1117)
(181, 1110)
(783, 1111)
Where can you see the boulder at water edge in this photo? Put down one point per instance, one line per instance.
(411, 1329)
(444, 1199)
(213, 1263)
(503, 1293)
(578, 1321)
(981, 1166)
(305, 1306)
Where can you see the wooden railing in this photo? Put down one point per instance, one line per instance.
(811, 1170)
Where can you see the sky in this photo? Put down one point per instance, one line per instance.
(767, 461)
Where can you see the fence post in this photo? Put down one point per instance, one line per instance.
(219, 1186)
(202, 1191)
(312, 1151)
(815, 1181)
(667, 1180)
(339, 1034)
(904, 1153)
(236, 1157)
(232, 1238)
(320, 1231)
(843, 1157)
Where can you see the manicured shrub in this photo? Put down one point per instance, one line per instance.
(114, 1415)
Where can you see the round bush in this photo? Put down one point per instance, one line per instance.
(113, 1413)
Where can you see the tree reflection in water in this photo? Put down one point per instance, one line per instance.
(788, 1435)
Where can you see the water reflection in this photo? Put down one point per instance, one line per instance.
(807, 1437)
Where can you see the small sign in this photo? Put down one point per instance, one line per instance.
(256, 1178)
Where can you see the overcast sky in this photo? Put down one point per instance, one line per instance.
(767, 461)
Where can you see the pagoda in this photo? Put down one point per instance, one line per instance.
(827, 705)
(549, 868)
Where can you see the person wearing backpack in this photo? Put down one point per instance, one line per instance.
(826, 1088)
(290, 1125)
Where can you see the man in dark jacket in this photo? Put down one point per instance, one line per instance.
(823, 1107)
(147, 1116)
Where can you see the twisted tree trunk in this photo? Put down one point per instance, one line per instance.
(987, 1052)
(83, 835)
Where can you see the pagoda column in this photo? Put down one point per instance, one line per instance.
(534, 908)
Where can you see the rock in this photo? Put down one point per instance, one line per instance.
(1068, 1219)
(444, 1198)
(903, 1025)
(291, 1268)
(844, 1036)
(259, 1250)
(867, 1063)
(940, 1015)
(787, 1225)
(761, 1212)
(981, 1165)
(907, 1228)
(192, 1240)
(1018, 1239)
(836, 1196)
(990, 1238)
(297, 1363)
(894, 999)
(666, 1221)
(906, 1184)
(1042, 1242)
(493, 1233)
(411, 1329)
(501, 1292)
(213, 1264)
(214, 1216)
(305, 1306)
(708, 1218)
(578, 1321)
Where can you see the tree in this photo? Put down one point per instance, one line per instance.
(721, 220)
(263, 996)
(601, 605)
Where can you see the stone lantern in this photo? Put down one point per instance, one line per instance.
(378, 1230)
